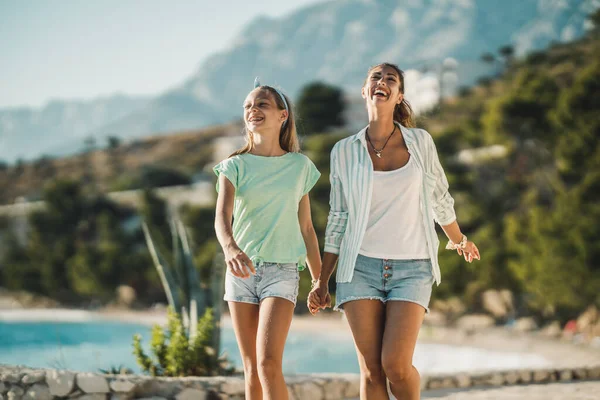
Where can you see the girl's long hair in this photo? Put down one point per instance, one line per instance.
(288, 138)
(403, 112)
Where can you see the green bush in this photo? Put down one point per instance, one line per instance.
(176, 352)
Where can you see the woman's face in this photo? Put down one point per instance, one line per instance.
(261, 114)
(383, 88)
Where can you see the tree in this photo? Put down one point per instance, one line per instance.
(320, 107)
(113, 142)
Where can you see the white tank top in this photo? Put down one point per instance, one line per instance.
(395, 229)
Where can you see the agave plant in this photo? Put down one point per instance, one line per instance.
(190, 301)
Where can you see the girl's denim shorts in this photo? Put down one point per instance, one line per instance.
(270, 280)
(385, 280)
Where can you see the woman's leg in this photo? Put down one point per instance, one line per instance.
(275, 317)
(367, 319)
(245, 324)
(403, 321)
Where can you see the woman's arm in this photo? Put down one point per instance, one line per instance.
(313, 256)
(236, 260)
(443, 207)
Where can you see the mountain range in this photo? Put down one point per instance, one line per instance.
(334, 41)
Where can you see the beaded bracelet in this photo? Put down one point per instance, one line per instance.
(453, 246)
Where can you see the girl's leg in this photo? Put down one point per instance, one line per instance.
(367, 320)
(403, 321)
(275, 318)
(245, 324)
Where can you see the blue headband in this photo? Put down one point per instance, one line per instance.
(257, 84)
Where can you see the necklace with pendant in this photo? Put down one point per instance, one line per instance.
(379, 151)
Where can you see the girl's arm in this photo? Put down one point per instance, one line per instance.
(313, 257)
(236, 260)
(336, 227)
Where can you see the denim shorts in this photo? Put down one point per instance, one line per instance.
(385, 280)
(270, 280)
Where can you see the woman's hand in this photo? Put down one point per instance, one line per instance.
(319, 297)
(238, 263)
(470, 252)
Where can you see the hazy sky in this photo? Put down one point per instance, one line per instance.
(82, 49)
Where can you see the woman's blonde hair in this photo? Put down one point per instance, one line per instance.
(403, 112)
(288, 138)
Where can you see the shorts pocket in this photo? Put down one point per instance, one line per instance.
(288, 267)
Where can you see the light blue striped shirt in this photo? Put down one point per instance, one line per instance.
(351, 179)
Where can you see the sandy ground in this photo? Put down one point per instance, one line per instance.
(550, 391)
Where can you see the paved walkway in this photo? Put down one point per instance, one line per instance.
(549, 391)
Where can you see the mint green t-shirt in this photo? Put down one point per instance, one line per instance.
(268, 191)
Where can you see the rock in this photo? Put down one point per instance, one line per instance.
(334, 389)
(509, 300)
(11, 377)
(463, 380)
(579, 373)
(121, 385)
(16, 390)
(541, 376)
(291, 395)
(308, 390)
(3, 388)
(552, 330)
(526, 324)
(34, 377)
(525, 376)
(61, 383)
(126, 295)
(92, 383)
(192, 394)
(587, 319)
(15, 393)
(38, 392)
(593, 372)
(493, 303)
(93, 396)
(435, 318)
(511, 377)
(565, 375)
(452, 307)
(475, 322)
(353, 388)
(153, 398)
(233, 386)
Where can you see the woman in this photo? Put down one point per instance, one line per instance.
(387, 188)
(263, 188)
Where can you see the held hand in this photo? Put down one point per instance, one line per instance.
(238, 263)
(322, 290)
(470, 252)
(313, 302)
(319, 297)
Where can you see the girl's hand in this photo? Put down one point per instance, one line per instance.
(313, 302)
(470, 252)
(238, 263)
(319, 296)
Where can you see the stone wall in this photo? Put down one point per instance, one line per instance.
(18, 383)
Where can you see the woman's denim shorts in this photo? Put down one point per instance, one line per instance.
(270, 280)
(385, 280)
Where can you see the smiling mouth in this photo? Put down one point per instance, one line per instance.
(380, 94)
(255, 119)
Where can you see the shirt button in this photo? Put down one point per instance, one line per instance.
(386, 267)
(386, 275)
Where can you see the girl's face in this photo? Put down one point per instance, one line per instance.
(261, 114)
(383, 88)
